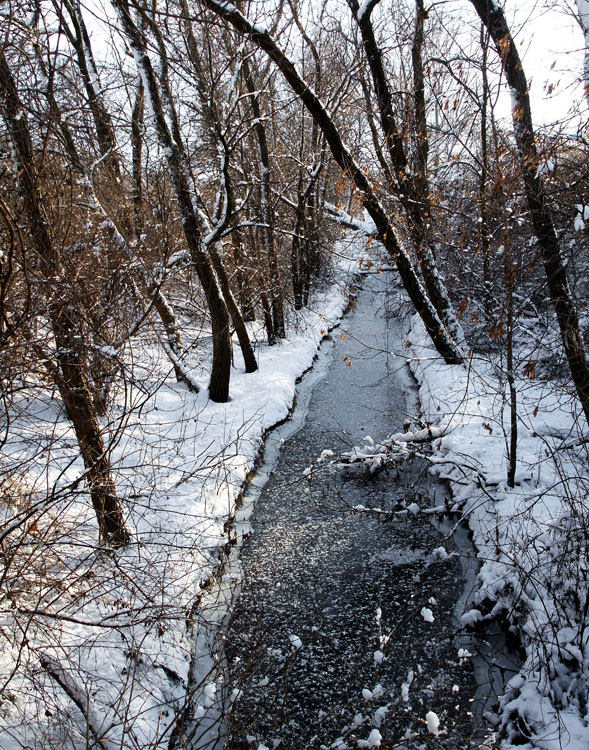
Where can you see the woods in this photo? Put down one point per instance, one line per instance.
(175, 178)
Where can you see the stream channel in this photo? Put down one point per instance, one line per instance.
(340, 623)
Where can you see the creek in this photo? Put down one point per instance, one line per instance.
(338, 612)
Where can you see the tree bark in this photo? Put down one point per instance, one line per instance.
(494, 20)
(179, 171)
(217, 123)
(72, 379)
(411, 186)
(276, 300)
(80, 41)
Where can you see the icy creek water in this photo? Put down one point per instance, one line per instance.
(329, 638)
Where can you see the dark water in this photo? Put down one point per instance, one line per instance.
(326, 585)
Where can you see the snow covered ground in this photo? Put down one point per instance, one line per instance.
(94, 645)
(532, 539)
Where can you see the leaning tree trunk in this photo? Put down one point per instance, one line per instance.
(149, 288)
(80, 41)
(386, 232)
(276, 300)
(411, 185)
(71, 374)
(494, 20)
(217, 125)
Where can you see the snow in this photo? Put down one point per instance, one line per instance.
(529, 538)
(427, 614)
(433, 723)
(581, 217)
(123, 628)
(374, 740)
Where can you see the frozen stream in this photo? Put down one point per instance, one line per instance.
(316, 633)
(331, 598)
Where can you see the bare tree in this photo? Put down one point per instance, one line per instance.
(70, 372)
(387, 233)
(194, 223)
(494, 20)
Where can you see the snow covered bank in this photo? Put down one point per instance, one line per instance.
(95, 646)
(532, 539)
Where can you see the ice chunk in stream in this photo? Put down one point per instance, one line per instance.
(427, 614)
(377, 691)
(380, 715)
(373, 740)
(471, 617)
(325, 454)
(406, 685)
(433, 723)
(209, 693)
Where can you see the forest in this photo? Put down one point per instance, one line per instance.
(189, 188)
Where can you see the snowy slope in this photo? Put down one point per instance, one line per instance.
(94, 645)
(532, 539)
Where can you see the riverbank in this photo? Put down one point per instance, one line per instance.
(110, 639)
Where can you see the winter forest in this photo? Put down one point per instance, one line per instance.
(293, 374)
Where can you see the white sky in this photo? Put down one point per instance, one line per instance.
(550, 37)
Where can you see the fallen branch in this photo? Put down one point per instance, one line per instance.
(80, 697)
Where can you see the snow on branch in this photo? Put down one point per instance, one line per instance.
(81, 698)
(346, 220)
(374, 456)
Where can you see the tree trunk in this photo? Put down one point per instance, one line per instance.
(217, 125)
(179, 171)
(494, 20)
(249, 358)
(80, 41)
(149, 288)
(484, 244)
(72, 379)
(266, 205)
(137, 154)
(411, 185)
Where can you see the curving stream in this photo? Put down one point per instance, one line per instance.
(338, 610)
(327, 640)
